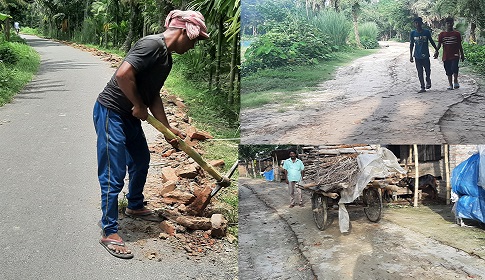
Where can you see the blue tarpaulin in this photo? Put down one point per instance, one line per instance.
(269, 175)
(464, 182)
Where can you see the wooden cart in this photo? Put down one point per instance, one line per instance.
(322, 203)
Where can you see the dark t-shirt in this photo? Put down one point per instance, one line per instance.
(152, 62)
(420, 42)
(451, 44)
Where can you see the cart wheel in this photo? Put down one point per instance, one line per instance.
(372, 204)
(319, 208)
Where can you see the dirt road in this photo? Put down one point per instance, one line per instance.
(384, 250)
(374, 100)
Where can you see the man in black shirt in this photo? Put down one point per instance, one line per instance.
(120, 107)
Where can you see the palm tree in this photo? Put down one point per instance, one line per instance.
(219, 13)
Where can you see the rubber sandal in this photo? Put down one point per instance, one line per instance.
(449, 88)
(456, 85)
(105, 242)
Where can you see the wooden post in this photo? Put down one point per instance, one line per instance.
(277, 177)
(253, 163)
(416, 175)
(447, 175)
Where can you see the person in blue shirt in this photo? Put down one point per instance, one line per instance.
(294, 172)
(419, 42)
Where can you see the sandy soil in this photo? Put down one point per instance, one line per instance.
(374, 100)
(384, 250)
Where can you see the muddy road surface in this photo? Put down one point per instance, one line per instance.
(374, 100)
(384, 250)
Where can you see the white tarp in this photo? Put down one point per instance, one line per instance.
(371, 166)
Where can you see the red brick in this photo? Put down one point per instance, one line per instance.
(201, 202)
(167, 187)
(168, 227)
(187, 171)
(168, 174)
(177, 196)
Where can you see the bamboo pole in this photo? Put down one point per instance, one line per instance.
(223, 181)
(447, 175)
(278, 177)
(416, 175)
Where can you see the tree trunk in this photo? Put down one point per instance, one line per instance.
(235, 52)
(133, 22)
(116, 11)
(86, 9)
(7, 29)
(219, 52)
(145, 25)
(355, 17)
(212, 52)
(473, 28)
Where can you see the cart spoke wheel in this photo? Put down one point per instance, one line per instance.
(373, 204)
(319, 208)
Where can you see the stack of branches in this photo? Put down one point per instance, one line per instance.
(331, 173)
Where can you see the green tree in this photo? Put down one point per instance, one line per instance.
(225, 16)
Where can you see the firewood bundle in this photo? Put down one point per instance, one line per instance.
(331, 173)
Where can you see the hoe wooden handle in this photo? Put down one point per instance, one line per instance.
(221, 181)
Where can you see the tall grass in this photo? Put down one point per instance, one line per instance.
(368, 32)
(334, 24)
(13, 77)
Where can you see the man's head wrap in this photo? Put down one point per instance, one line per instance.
(192, 21)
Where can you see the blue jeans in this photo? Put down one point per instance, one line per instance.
(121, 144)
(420, 64)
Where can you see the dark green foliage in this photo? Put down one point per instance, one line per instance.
(368, 35)
(369, 43)
(287, 44)
(7, 55)
(475, 55)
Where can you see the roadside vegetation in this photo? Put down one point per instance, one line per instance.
(291, 46)
(294, 47)
(18, 64)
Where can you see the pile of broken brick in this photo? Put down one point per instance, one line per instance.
(177, 188)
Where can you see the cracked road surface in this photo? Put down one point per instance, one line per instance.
(374, 100)
(383, 250)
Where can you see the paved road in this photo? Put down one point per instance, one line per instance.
(268, 248)
(48, 184)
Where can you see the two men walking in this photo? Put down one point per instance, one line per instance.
(419, 52)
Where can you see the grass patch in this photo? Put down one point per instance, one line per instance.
(258, 89)
(203, 106)
(31, 31)
(227, 198)
(13, 77)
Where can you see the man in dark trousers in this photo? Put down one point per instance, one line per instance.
(419, 42)
(118, 111)
(452, 52)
